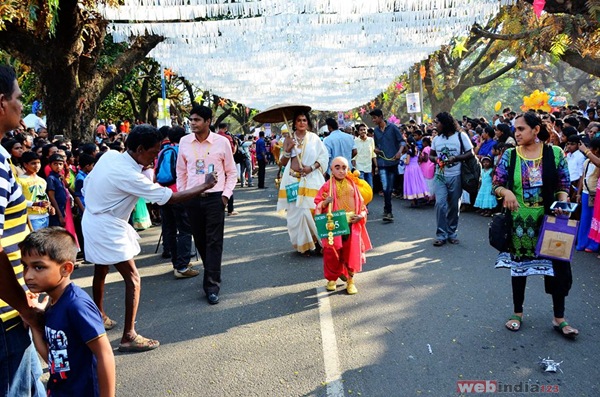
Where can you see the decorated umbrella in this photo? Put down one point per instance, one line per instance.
(280, 113)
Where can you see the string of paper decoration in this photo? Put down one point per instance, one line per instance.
(330, 54)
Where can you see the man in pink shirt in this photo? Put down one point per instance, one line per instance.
(199, 154)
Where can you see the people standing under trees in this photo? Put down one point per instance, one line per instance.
(446, 152)
(365, 160)
(21, 366)
(389, 144)
(427, 168)
(485, 142)
(415, 186)
(246, 163)
(233, 142)
(303, 156)
(15, 149)
(486, 201)
(586, 196)
(538, 176)
(176, 229)
(111, 191)
(261, 158)
(200, 154)
(504, 135)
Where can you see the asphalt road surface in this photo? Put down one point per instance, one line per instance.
(425, 317)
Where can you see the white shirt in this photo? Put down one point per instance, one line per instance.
(365, 153)
(449, 147)
(111, 191)
(115, 185)
(575, 161)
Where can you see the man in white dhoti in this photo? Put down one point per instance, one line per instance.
(111, 191)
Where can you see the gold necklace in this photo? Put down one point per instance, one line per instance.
(345, 195)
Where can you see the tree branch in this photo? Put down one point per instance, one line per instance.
(115, 73)
(587, 64)
(131, 99)
(493, 76)
(477, 30)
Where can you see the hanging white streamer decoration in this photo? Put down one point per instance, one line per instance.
(329, 54)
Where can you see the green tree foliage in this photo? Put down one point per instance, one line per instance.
(62, 43)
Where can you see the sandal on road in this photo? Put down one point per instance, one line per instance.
(138, 344)
(565, 330)
(108, 323)
(439, 243)
(514, 323)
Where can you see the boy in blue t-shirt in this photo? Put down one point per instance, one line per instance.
(74, 341)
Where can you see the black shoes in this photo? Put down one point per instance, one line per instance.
(213, 299)
(388, 217)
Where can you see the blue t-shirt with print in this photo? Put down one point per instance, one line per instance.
(71, 323)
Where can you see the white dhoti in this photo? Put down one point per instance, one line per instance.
(108, 239)
(300, 223)
(301, 228)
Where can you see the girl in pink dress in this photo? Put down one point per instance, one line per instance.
(415, 186)
(427, 168)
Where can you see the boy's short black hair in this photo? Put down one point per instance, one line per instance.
(55, 158)
(86, 159)
(28, 157)
(376, 113)
(54, 242)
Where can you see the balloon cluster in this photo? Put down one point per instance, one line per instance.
(538, 100)
(556, 100)
(393, 119)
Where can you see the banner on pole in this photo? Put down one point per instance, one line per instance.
(413, 102)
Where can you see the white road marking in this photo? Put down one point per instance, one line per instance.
(333, 377)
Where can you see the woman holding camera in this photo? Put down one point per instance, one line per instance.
(529, 178)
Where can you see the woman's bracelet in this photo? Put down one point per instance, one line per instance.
(499, 190)
(287, 155)
(587, 153)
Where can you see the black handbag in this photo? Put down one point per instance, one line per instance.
(500, 227)
(499, 232)
(470, 170)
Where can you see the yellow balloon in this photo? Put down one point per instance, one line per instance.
(365, 191)
(498, 106)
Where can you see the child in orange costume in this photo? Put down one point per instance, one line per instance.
(347, 254)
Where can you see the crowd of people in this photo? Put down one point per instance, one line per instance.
(57, 194)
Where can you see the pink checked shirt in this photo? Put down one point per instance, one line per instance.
(195, 157)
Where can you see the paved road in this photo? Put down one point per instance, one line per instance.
(277, 333)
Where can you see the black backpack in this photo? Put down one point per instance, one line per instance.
(239, 156)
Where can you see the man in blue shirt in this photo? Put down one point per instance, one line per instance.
(389, 145)
(261, 159)
(338, 143)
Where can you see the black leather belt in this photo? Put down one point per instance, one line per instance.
(211, 194)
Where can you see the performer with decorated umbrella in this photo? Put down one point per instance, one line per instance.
(303, 157)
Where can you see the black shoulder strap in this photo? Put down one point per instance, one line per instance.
(512, 162)
(549, 177)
